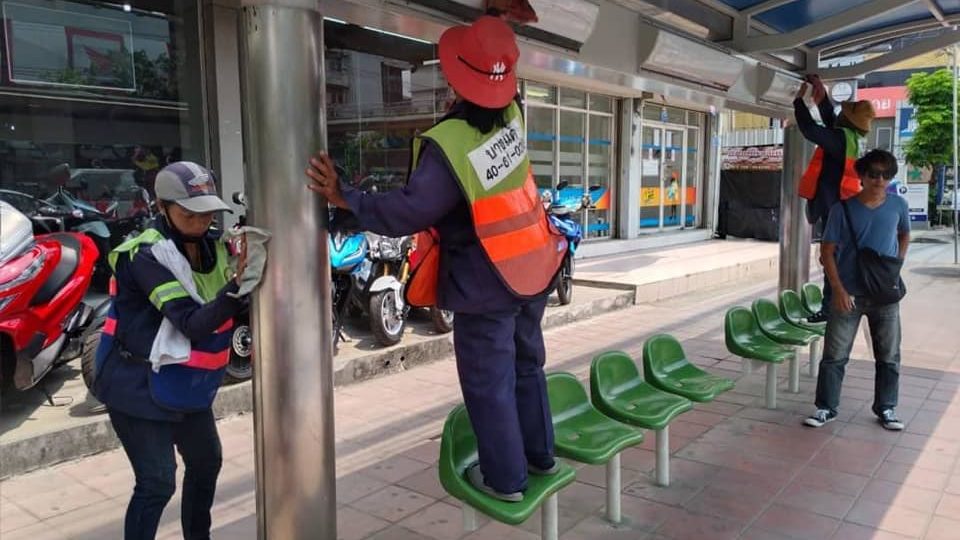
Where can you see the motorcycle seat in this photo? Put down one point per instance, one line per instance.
(69, 261)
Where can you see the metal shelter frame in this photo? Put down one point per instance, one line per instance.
(757, 51)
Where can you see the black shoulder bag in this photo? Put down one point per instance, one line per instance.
(879, 273)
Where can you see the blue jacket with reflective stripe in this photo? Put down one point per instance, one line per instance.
(121, 382)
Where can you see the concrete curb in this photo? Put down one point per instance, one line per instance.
(96, 435)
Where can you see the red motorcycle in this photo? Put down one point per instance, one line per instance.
(43, 280)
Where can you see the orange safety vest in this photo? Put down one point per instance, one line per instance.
(849, 182)
(493, 172)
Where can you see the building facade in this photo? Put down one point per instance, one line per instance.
(115, 91)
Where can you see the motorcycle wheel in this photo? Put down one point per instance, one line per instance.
(565, 287)
(88, 361)
(386, 321)
(442, 320)
(240, 367)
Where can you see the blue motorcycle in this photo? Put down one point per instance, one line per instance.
(564, 213)
(349, 265)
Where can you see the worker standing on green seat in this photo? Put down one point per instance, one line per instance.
(499, 255)
(830, 177)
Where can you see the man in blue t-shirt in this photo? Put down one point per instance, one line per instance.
(883, 224)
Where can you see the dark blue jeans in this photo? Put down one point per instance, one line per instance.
(884, 321)
(149, 445)
(500, 358)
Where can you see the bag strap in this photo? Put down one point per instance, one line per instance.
(853, 233)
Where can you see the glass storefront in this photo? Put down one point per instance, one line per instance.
(571, 144)
(671, 158)
(96, 97)
(382, 90)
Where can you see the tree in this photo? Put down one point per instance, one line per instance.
(932, 145)
(932, 99)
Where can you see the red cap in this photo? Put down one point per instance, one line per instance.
(479, 61)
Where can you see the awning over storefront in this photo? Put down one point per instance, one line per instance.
(740, 54)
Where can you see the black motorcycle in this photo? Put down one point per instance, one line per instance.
(63, 212)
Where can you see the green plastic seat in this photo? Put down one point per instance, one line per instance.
(666, 367)
(745, 339)
(581, 432)
(458, 450)
(791, 308)
(618, 391)
(812, 297)
(773, 325)
(584, 434)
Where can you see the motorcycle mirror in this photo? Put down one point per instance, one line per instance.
(596, 188)
(239, 198)
(562, 184)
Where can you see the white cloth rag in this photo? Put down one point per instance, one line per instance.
(256, 240)
(170, 346)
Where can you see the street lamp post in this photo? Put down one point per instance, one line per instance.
(956, 169)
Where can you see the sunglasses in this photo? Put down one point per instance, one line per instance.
(878, 174)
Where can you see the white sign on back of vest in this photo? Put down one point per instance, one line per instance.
(500, 155)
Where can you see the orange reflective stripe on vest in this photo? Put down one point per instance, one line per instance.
(849, 181)
(850, 184)
(493, 172)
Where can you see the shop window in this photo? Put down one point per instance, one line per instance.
(573, 98)
(885, 138)
(540, 93)
(652, 111)
(573, 149)
(542, 144)
(695, 119)
(600, 103)
(97, 98)
(389, 88)
(675, 116)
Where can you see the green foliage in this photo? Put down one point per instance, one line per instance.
(932, 99)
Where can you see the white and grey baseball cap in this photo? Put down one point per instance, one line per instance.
(191, 186)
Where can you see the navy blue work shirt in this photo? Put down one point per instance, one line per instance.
(467, 281)
(834, 144)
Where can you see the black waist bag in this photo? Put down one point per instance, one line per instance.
(879, 273)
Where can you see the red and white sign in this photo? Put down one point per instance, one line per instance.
(884, 99)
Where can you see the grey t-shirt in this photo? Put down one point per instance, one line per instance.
(876, 228)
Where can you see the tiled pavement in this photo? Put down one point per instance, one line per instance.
(738, 471)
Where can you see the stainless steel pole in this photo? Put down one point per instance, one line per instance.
(795, 231)
(284, 123)
(956, 169)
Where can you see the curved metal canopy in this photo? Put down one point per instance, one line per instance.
(799, 34)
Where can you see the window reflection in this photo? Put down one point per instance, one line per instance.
(95, 99)
(382, 90)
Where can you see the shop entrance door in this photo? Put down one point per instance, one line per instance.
(664, 191)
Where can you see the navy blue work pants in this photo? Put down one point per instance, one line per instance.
(149, 445)
(500, 358)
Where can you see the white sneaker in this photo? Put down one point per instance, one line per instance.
(820, 417)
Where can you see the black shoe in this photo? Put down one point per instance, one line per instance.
(820, 417)
(889, 420)
(818, 317)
